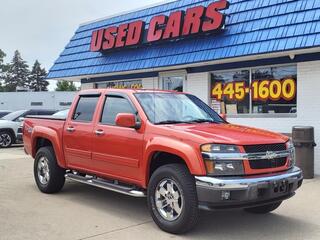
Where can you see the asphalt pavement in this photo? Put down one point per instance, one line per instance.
(84, 212)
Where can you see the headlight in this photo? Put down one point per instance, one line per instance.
(219, 148)
(221, 160)
(292, 157)
(290, 144)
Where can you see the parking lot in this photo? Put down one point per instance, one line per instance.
(84, 212)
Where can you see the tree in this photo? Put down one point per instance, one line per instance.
(2, 88)
(2, 56)
(37, 77)
(17, 74)
(64, 86)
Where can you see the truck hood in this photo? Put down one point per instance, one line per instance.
(230, 134)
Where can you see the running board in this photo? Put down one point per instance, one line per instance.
(100, 183)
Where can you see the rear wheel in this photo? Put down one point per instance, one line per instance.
(6, 139)
(48, 175)
(172, 199)
(264, 208)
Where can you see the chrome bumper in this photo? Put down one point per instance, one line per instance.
(247, 191)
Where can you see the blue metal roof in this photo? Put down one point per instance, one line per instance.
(252, 27)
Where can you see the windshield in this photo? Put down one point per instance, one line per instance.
(171, 108)
(13, 116)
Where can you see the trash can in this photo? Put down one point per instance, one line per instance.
(303, 140)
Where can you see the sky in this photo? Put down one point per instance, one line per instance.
(40, 29)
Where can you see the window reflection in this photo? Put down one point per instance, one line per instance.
(173, 83)
(225, 104)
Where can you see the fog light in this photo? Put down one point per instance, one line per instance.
(225, 195)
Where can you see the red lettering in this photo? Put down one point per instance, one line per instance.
(173, 28)
(154, 32)
(135, 33)
(96, 40)
(122, 33)
(192, 20)
(215, 18)
(195, 20)
(109, 38)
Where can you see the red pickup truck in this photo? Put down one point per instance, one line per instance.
(169, 147)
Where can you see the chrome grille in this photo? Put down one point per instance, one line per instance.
(265, 148)
(268, 163)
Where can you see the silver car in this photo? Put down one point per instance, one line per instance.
(10, 124)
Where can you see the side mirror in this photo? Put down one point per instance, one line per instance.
(223, 116)
(127, 120)
(21, 119)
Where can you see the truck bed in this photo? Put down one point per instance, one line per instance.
(41, 125)
(47, 117)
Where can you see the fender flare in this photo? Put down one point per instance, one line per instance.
(53, 137)
(173, 146)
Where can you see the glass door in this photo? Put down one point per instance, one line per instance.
(174, 83)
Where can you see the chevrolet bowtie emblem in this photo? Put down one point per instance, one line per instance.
(271, 155)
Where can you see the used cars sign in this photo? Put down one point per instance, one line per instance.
(178, 24)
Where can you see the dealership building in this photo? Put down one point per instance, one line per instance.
(258, 61)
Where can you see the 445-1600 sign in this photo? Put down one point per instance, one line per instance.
(261, 90)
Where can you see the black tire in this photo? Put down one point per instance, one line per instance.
(185, 182)
(6, 139)
(56, 179)
(264, 209)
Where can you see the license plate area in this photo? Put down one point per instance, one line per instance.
(281, 187)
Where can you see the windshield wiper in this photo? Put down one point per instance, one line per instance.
(202, 121)
(169, 122)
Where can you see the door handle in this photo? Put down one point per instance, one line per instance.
(71, 129)
(99, 132)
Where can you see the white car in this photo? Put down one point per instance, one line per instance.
(4, 113)
(10, 124)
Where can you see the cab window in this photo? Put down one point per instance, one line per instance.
(113, 106)
(85, 109)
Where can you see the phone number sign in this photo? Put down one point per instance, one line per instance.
(273, 90)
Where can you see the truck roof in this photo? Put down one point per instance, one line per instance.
(106, 90)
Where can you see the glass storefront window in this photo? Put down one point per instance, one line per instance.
(274, 90)
(229, 92)
(173, 83)
(132, 84)
(263, 90)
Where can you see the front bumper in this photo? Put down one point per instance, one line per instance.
(249, 191)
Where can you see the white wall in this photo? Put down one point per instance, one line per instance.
(308, 108)
(150, 83)
(22, 100)
(199, 85)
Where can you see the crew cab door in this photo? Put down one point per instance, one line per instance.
(78, 133)
(117, 151)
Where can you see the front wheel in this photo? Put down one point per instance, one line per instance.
(172, 199)
(48, 175)
(264, 208)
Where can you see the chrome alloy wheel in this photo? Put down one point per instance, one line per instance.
(43, 171)
(169, 199)
(5, 140)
